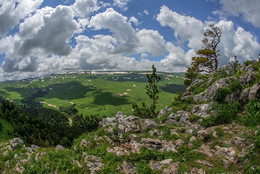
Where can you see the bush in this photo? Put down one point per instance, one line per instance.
(221, 94)
(235, 85)
(1, 127)
(252, 117)
(226, 114)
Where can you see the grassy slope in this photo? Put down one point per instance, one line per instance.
(92, 94)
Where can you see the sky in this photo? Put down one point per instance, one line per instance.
(41, 37)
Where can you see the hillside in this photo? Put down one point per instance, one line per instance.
(103, 93)
(213, 127)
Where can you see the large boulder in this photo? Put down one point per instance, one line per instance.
(244, 95)
(247, 79)
(122, 124)
(254, 91)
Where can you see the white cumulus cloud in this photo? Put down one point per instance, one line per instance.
(12, 11)
(249, 9)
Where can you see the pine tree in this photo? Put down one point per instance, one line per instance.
(152, 92)
(152, 89)
(207, 60)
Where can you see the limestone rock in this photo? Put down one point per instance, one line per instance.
(16, 142)
(128, 168)
(84, 143)
(38, 155)
(228, 153)
(156, 133)
(201, 110)
(178, 143)
(247, 79)
(158, 165)
(193, 139)
(164, 111)
(147, 124)
(205, 163)
(161, 145)
(172, 168)
(254, 91)
(209, 94)
(94, 164)
(179, 118)
(244, 96)
(60, 147)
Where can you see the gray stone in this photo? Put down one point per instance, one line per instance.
(94, 164)
(158, 165)
(250, 69)
(209, 94)
(254, 91)
(178, 143)
(128, 168)
(201, 110)
(34, 147)
(156, 133)
(164, 111)
(179, 118)
(60, 147)
(193, 139)
(244, 96)
(16, 142)
(172, 168)
(234, 96)
(147, 124)
(186, 95)
(247, 79)
(225, 163)
(228, 153)
(84, 143)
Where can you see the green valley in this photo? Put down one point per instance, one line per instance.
(103, 93)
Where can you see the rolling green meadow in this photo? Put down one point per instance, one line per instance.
(93, 93)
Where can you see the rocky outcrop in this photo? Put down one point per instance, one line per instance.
(209, 94)
(202, 110)
(122, 124)
(254, 91)
(179, 118)
(94, 163)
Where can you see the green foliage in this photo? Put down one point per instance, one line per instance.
(235, 85)
(196, 89)
(143, 111)
(221, 94)
(252, 116)
(234, 64)
(70, 110)
(226, 113)
(194, 118)
(190, 75)
(252, 158)
(1, 127)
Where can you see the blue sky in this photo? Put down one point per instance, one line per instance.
(40, 37)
